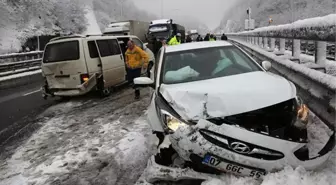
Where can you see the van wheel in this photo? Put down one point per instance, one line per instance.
(105, 92)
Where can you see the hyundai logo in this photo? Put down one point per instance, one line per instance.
(240, 148)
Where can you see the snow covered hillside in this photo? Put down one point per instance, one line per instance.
(23, 19)
(279, 10)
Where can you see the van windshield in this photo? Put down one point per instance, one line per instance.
(63, 51)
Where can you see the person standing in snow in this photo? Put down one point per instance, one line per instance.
(207, 37)
(199, 38)
(212, 38)
(136, 59)
(224, 37)
(175, 40)
(188, 39)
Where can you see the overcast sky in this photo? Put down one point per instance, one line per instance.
(209, 12)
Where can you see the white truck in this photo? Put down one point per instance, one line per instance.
(130, 27)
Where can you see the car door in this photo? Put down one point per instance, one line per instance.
(112, 61)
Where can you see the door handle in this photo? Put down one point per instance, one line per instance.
(99, 65)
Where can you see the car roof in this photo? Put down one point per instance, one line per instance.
(196, 45)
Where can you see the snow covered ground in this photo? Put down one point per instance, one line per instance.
(98, 141)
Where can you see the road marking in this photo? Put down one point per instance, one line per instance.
(32, 92)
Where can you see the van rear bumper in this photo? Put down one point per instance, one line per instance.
(79, 90)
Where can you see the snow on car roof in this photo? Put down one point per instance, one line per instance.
(196, 45)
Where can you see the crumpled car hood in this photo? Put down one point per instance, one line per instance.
(225, 96)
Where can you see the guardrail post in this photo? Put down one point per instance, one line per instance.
(282, 47)
(272, 45)
(320, 52)
(256, 40)
(296, 50)
(265, 43)
(260, 42)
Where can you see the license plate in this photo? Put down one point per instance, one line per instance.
(228, 166)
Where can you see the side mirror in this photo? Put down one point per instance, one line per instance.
(145, 46)
(266, 65)
(144, 82)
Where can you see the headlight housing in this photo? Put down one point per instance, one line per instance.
(171, 122)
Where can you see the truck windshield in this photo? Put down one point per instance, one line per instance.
(158, 28)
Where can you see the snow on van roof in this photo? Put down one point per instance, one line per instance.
(196, 45)
(160, 21)
(119, 24)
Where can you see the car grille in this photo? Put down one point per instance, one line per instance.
(240, 147)
(276, 121)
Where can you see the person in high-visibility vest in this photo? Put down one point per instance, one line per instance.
(212, 38)
(175, 40)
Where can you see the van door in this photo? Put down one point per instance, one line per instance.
(63, 63)
(92, 57)
(112, 61)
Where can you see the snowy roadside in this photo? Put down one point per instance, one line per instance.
(104, 141)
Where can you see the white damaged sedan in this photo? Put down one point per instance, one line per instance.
(215, 109)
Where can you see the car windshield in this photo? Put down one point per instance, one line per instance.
(63, 51)
(207, 63)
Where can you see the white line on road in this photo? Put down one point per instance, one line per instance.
(32, 92)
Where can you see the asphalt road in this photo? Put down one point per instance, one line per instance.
(18, 105)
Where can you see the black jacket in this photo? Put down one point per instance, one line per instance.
(199, 38)
(207, 38)
(188, 39)
(224, 37)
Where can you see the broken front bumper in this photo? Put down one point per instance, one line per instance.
(264, 152)
(156, 173)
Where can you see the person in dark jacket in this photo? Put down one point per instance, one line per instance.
(189, 39)
(224, 37)
(207, 37)
(199, 38)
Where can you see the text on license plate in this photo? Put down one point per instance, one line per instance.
(228, 167)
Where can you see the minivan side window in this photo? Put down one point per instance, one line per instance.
(108, 47)
(62, 51)
(115, 47)
(93, 49)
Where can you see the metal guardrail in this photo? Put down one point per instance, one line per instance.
(15, 57)
(19, 62)
(318, 94)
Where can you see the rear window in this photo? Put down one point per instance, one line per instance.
(63, 51)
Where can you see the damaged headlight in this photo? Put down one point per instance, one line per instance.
(171, 122)
(302, 112)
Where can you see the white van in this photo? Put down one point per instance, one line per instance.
(74, 65)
